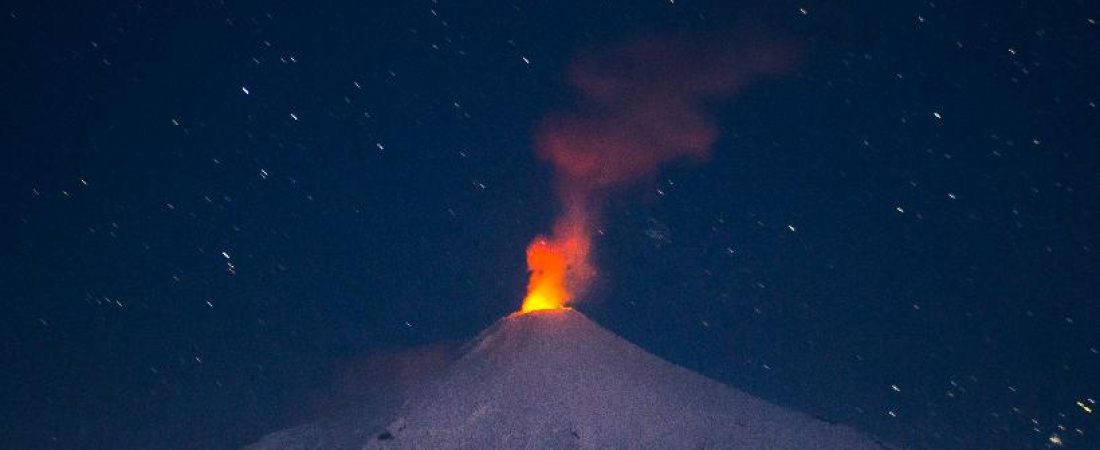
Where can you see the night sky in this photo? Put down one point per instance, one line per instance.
(212, 209)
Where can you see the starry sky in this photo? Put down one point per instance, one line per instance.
(210, 207)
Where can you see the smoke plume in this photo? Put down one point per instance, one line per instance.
(642, 103)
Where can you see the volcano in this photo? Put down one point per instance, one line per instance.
(555, 379)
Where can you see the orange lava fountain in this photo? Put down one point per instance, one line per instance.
(546, 288)
(559, 265)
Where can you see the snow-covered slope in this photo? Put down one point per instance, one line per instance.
(555, 379)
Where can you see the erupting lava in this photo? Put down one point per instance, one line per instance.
(559, 265)
(546, 288)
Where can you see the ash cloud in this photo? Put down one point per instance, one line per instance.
(642, 103)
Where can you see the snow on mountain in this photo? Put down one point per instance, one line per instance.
(555, 379)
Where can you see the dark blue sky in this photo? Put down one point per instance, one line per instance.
(209, 208)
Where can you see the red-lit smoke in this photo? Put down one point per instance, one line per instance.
(642, 103)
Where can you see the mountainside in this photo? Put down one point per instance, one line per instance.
(554, 379)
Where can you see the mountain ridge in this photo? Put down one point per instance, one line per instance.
(555, 379)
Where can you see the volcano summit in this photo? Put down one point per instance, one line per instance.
(555, 379)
